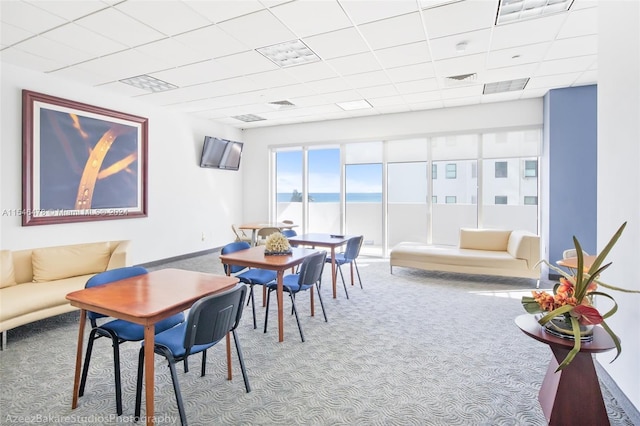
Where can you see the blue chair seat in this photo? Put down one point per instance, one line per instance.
(257, 276)
(135, 332)
(173, 340)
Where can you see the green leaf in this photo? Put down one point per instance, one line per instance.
(611, 287)
(575, 325)
(556, 312)
(605, 252)
(530, 305)
(616, 340)
(613, 310)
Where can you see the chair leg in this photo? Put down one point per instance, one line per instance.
(139, 384)
(343, 282)
(116, 373)
(266, 313)
(87, 359)
(203, 369)
(253, 305)
(357, 272)
(247, 386)
(176, 389)
(321, 304)
(295, 311)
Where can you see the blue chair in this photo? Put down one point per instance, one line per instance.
(351, 252)
(118, 330)
(310, 275)
(251, 277)
(209, 320)
(289, 233)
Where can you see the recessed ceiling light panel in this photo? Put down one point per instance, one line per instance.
(518, 10)
(289, 53)
(247, 118)
(146, 82)
(353, 105)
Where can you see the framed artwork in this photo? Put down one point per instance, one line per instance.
(81, 162)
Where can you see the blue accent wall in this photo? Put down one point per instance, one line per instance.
(571, 135)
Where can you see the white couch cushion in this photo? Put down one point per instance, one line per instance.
(54, 263)
(484, 239)
(7, 276)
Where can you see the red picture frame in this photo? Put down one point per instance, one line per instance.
(81, 162)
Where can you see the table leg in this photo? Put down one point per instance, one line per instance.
(279, 294)
(76, 379)
(351, 264)
(334, 277)
(149, 373)
(254, 237)
(572, 395)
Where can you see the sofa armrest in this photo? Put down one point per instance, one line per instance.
(525, 245)
(119, 255)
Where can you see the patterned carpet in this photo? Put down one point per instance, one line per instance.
(412, 348)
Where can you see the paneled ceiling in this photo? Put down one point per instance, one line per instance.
(396, 55)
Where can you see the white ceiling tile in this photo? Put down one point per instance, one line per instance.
(222, 10)
(576, 46)
(125, 64)
(459, 17)
(39, 21)
(421, 106)
(337, 43)
(343, 96)
(355, 64)
(457, 66)
(13, 55)
(394, 31)
(407, 54)
(378, 91)
(553, 81)
(305, 101)
(507, 73)
(86, 40)
(123, 89)
(246, 63)
(312, 72)
(117, 26)
(272, 31)
(447, 47)
(588, 77)
(329, 85)
(10, 34)
(562, 66)
(168, 17)
(275, 78)
(172, 52)
(375, 10)
(419, 97)
(580, 22)
(456, 102)
(531, 53)
(80, 75)
(69, 9)
(527, 32)
(197, 73)
(307, 18)
(411, 72)
(212, 41)
(424, 85)
(462, 92)
(53, 50)
(368, 79)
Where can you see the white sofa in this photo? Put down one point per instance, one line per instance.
(34, 282)
(480, 251)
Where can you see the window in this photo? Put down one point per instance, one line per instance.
(501, 169)
(474, 170)
(451, 171)
(530, 200)
(501, 199)
(434, 171)
(530, 168)
(450, 199)
(434, 199)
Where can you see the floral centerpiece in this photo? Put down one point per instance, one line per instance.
(573, 299)
(277, 244)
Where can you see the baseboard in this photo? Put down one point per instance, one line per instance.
(181, 257)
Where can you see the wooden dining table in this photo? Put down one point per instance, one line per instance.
(254, 257)
(325, 240)
(145, 300)
(254, 227)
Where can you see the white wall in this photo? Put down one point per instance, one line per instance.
(619, 178)
(184, 200)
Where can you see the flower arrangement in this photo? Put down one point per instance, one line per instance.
(573, 297)
(277, 243)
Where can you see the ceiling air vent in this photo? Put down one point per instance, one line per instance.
(247, 118)
(284, 104)
(460, 80)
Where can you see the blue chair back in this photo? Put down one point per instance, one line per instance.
(353, 248)
(311, 269)
(212, 317)
(110, 276)
(289, 233)
(232, 248)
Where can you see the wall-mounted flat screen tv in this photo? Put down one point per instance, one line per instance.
(220, 153)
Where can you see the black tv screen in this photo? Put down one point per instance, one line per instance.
(221, 153)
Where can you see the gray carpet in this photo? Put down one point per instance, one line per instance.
(412, 348)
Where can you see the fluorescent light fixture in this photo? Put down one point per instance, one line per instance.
(146, 82)
(289, 53)
(517, 10)
(247, 118)
(505, 86)
(353, 105)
